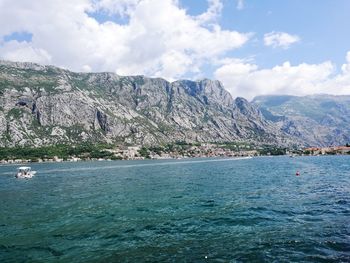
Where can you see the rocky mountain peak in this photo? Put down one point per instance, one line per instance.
(24, 65)
(210, 91)
(49, 105)
(245, 107)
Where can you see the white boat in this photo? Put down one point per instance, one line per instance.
(25, 172)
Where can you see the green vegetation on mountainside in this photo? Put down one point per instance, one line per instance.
(61, 151)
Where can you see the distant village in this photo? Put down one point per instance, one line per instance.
(185, 151)
(327, 150)
(140, 153)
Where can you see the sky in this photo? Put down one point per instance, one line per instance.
(253, 47)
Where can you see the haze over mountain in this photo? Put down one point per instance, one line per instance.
(316, 119)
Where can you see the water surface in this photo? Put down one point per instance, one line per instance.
(198, 210)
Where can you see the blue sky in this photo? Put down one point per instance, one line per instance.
(324, 28)
(254, 47)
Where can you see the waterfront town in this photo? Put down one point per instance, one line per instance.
(174, 151)
(327, 150)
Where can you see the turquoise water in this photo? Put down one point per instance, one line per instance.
(199, 210)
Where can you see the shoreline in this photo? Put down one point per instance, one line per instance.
(170, 159)
(144, 159)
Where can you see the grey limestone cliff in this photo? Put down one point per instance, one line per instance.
(42, 105)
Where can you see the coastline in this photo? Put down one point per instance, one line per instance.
(197, 158)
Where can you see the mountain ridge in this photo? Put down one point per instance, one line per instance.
(318, 119)
(43, 105)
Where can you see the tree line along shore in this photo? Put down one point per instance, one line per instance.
(85, 152)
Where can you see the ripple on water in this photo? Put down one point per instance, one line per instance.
(252, 210)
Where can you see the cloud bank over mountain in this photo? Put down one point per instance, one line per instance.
(158, 38)
(245, 77)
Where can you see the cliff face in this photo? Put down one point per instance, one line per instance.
(47, 105)
(318, 120)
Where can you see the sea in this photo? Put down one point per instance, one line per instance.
(190, 210)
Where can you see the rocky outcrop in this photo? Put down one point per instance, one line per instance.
(47, 105)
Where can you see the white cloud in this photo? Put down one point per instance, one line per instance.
(214, 10)
(346, 67)
(245, 79)
(159, 38)
(280, 39)
(23, 52)
(86, 68)
(240, 4)
(120, 7)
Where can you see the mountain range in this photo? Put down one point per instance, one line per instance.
(320, 120)
(47, 105)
